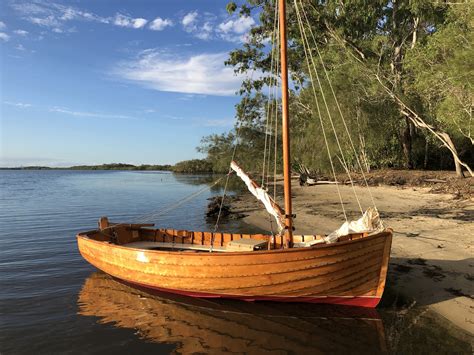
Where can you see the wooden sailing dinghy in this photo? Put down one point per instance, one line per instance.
(347, 267)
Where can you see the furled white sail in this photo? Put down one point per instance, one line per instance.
(370, 222)
(262, 195)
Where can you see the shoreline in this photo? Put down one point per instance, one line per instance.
(432, 256)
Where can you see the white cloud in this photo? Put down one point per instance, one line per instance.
(127, 21)
(160, 24)
(86, 114)
(20, 47)
(239, 26)
(174, 118)
(189, 19)
(236, 30)
(20, 32)
(51, 14)
(2, 25)
(201, 27)
(4, 37)
(219, 123)
(17, 104)
(139, 22)
(206, 26)
(188, 97)
(205, 32)
(48, 21)
(203, 74)
(54, 15)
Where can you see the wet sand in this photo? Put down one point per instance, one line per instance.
(432, 259)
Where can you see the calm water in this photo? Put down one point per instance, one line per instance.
(52, 301)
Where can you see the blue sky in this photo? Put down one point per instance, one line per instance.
(90, 82)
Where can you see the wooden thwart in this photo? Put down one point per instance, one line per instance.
(247, 245)
(177, 246)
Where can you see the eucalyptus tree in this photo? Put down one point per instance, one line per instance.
(442, 77)
(370, 50)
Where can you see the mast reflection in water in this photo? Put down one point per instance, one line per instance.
(210, 326)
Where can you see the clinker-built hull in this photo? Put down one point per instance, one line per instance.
(350, 272)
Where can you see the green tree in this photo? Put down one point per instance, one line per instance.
(442, 74)
(370, 51)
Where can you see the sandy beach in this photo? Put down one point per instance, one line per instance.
(432, 260)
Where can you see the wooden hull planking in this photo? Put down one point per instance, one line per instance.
(352, 272)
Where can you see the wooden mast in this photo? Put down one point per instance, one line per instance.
(285, 126)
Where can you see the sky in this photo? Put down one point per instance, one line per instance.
(92, 82)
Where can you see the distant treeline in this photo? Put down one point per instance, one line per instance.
(122, 166)
(186, 166)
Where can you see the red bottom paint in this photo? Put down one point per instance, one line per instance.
(357, 301)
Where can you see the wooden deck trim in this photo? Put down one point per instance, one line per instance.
(273, 251)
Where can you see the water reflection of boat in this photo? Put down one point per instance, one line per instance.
(203, 326)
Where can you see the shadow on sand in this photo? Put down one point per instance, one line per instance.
(428, 281)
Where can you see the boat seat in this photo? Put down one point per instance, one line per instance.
(177, 246)
(247, 244)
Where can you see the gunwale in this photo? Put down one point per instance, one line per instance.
(83, 235)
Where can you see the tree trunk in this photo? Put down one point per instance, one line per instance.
(425, 162)
(454, 152)
(407, 144)
(420, 123)
(411, 114)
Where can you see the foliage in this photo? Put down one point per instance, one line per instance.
(420, 49)
(442, 73)
(193, 166)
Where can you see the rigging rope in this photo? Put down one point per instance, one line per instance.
(272, 98)
(320, 116)
(305, 40)
(236, 140)
(270, 93)
(337, 104)
(274, 38)
(276, 120)
(272, 118)
(152, 216)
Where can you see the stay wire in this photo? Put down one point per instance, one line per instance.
(337, 104)
(344, 163)
(319, 113)
(270, 87)
(236, 143)
(321, 121)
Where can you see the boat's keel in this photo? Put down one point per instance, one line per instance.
(355, 301)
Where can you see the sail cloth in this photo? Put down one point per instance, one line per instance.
(270, 205)
(370, 222)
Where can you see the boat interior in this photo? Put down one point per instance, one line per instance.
(144, 236)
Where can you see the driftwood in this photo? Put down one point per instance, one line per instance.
(326, 182)
(307, 181)
(435, 180)
(214, 207)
